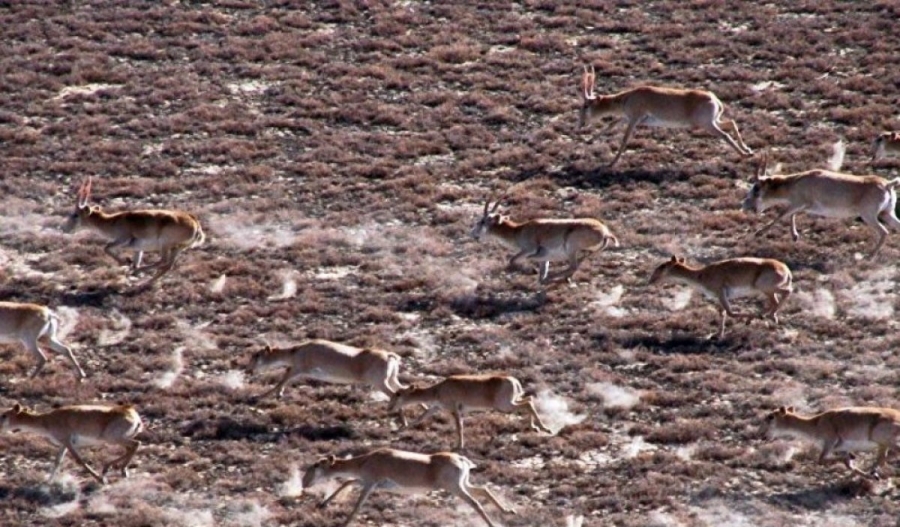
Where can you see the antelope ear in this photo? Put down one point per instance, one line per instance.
(681, 260)
(674, 259)
(781, 410)
(332, 459)
(790, 409)
(17, 408)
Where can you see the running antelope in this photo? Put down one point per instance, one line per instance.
(886, 144)
(168, 232)
(460, 393)
(545, 240)
(658, 107)
(729, 279)
(847, 430)
(402, 471)
(28, 323)
(328, 361)
(828, 194)
(71, 427)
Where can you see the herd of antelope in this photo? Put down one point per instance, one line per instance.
(540, 241)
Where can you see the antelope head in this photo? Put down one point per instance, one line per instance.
(587, 95)
(665, 269)
(488, 219)
(82, 209)
(753, 202)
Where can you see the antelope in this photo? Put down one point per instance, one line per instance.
(402, 471)
(886, 144)
(848, 430)
(828, 194)
(328, 361)
(658, 107)
(459, 393)
(545, 240)
(734, 278)
(28, 323)
(71, 427)
(168, 232)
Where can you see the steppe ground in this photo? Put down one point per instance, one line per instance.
(338, 153)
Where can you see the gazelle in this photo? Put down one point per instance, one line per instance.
(168, 232)
(402, 471)
(828, 194)
(853, 429)
(28, 323)
(460, 393)
(71, 427)
(328, 361)
(545, 240)
(658, 107)
(886, 144)
(733, 278)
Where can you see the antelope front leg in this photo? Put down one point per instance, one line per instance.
(113, 245)
(322, 504)
(625, 138)
(512, 265)
(785, 214)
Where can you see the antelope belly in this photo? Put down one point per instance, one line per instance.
(657, 122)
(856, 446)
(738, 292)
(392, 486)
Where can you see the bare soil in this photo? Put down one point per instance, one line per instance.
(339, 153)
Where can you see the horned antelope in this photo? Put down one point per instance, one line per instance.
(168, 232)
(828, 194)
(328, 361)
(733, 278)
(886, 144)
(28, 323)
(847, 430)
(402, 471)
(658, 107)
(545, 240)
(71, 427)
(460, 393)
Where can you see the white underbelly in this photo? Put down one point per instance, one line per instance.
(80, 440)
(831, 212)
(856, 446)
(740, 292)
(7, 339)
(393, 486)
(656, 122)
(329, 376)
(146, 245)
